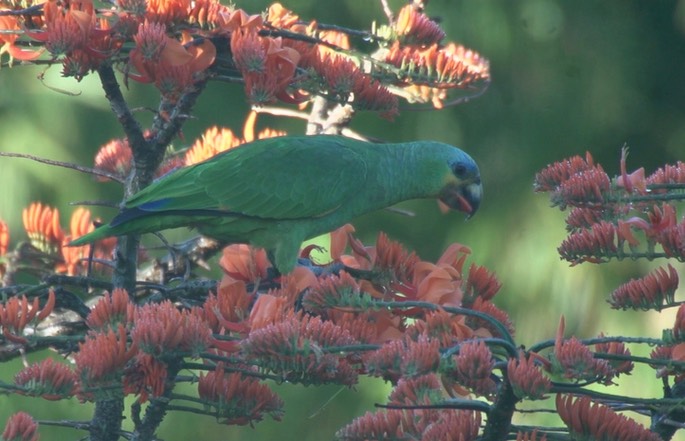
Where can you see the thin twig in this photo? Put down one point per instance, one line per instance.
(109, 204)
(387, 11)
(69, 165)
(279, 111)
(31, 10)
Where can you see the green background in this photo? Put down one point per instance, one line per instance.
(567, 77)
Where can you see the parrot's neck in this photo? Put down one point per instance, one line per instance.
(406, 171)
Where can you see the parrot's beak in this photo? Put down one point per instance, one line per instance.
(462, 197)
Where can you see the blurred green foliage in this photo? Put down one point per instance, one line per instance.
(567, 77)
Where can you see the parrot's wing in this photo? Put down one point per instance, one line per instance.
(280, 178)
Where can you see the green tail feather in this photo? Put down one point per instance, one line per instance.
(99, 233)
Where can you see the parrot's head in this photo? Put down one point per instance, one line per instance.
(462, 190)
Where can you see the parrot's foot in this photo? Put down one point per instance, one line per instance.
(335, 268)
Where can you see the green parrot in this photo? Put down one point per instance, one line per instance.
(276, 193)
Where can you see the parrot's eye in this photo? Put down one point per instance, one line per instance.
(459, 169)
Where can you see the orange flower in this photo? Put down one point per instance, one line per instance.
(339, 239)
(584, 217)
(575, 360)
(616, 348)
(653, 291)
(417, 391)
(280, 17)
(420, 424)
(64, 33)
(249, 51)
(454, 256)
(672, 240)
(177, 65)
(661, 220)
(4, 238)
(170, 164)
(213, 141)
(132, 9)
(295, 283)
(631, 182)
(160, 329)
(16, 313)
(335, 292)
(240, 20)
(668, 354)
(392, 257)
(268, 310)
(482, 283)
(447, 328)
(267, 66)
(41, 223)
(114, 157)
(669, 174)
(8, 40)
(101, 360)
(168, 11)
(583, 189)
(403, 358)
(549, 178)
(429, 71)
(291, 348)
(485, 328)
(147, 377)
(111, 311)
(373, 327)
(151, 40)
(588, 420)
(459, 425)
(414, 27)
(473, 366)
(401, 424)
(527, 379)
(74, 258)
(679, 326)
(21, 427)
(238, 399)
(242, 262)
(597, 244)
(345, 82)
(370, 94)
(48, 379)
(339, 39)
(437, 284)
(229, 308)
(209, 14)
(340, 74)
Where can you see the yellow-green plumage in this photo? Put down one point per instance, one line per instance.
(276, 193)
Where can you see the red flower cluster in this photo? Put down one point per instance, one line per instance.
(575, 361)
(590, 420)
(21, 427)
(460, 425)
(42, 225)
(656, 290)
(236, 399)
(17, 313)
(526, 377)
(175, 44)
(609, 215)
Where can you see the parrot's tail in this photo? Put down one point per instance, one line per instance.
(99, 233)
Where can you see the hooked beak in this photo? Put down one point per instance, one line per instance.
(464, 198)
